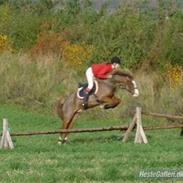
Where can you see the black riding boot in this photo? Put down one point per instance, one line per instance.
(85, 100)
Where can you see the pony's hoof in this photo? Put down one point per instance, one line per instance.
(61, 143)
(62, 140)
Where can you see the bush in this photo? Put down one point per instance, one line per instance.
(24, 29)
(77, 55)
(5, 19)
(125, 33)
(173, 40)
(174, 75)
(3, 43)
(49, 43)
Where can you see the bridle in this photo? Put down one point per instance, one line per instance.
(121, 85)
(125, 87)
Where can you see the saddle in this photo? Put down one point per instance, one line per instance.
(83, 86)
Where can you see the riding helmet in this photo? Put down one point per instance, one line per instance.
(115, 60)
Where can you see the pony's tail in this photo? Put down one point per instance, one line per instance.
(58, 108)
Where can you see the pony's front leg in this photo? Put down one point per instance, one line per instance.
(111, 102)
(63, 136)
(66, 125)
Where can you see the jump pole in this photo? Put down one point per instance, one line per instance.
(77, 130)
(90, 130)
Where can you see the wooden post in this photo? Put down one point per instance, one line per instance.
(6, 141)
(130, 128)
(140, 136)
(181, 133)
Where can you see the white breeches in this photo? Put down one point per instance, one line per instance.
(90, 77)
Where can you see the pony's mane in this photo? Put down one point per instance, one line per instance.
(123, 73)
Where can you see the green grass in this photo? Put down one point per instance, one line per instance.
(96, 157)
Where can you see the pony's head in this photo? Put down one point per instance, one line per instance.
(126, 81)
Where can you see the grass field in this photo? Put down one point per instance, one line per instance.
(96, 157)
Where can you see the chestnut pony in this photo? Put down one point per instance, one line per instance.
(105, 96)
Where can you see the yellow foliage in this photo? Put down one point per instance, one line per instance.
(76, 54)
(174, 74)
(3, 42)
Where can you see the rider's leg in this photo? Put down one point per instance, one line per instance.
(89, 76)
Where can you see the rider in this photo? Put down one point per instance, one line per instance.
(101, 71)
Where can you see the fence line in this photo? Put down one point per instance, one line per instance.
(159, 115)
(99, 129)
(140, 136)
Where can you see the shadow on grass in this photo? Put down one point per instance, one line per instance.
(96, 139)
(102, 139)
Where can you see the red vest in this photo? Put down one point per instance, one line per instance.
(101, 70)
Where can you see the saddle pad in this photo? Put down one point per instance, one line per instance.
(82, 87)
